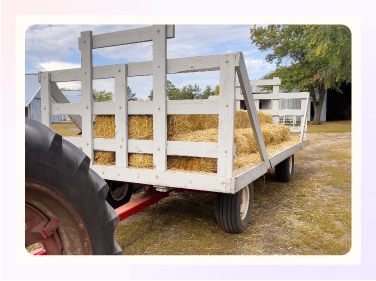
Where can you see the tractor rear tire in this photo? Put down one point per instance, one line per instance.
(61, 186)
(233, 211)
(285, 170)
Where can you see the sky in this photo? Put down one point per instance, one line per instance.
(55, 47)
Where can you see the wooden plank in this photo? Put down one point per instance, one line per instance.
(278, 156)
(295, 129)
(159, 98)
(282, 112)
(267, 82)
(74, 109)
(245, 178)
(303, 133)
(144, 68)
(275, 90)
(275, 107)
(105, 144)
(300, 95)
(252, 112)
(104, 108)
(140, 107)
(87, 94)
(121, 117)
(66, 109)
(77, 141)
(125, 37)
(140, 146)
(206, 106)
(194, 149)
(45, 95)
(226, 118)
(74, 74)
(196, 181)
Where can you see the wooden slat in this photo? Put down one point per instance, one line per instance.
(104, 108)
(301, 95)
(278, 156)
(121, 117)
(194, 181)
(159, 98)
(87, 94)
(105, 144)
(60, 98)
(45, 94)
(304, 121)
(194, 149)
(125, 37)
(66, 109)
(173, 107)
(226, 118)
(282, 112)
(140, 146)
(249, 176)
(77, 141)
(267, 82)
(252, 112)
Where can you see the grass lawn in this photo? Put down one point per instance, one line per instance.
(311, 215)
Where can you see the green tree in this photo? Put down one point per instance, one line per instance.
(103, 95)
(208, 92)
(310, 58)
(131, 95)
(217, 90)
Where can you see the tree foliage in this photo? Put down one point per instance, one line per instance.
(186, 92)
(308, 57)
(108, 95)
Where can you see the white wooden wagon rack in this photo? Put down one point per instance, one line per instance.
(226, 180)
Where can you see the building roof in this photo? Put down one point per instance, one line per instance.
(32, 90)
(32, 87)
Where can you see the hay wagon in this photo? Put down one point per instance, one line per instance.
(65, 189)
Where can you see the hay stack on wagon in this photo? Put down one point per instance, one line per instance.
(193, 128)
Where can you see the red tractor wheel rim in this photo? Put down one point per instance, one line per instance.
(39, 229)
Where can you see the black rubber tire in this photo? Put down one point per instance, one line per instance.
(283, 171)
(61, 166)
(228, 211)
(114, 201)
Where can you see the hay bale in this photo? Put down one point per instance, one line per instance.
(192, 128)
(104, 157)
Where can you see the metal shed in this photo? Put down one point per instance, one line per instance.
(33, 99)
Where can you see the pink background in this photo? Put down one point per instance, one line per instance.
(10, 270)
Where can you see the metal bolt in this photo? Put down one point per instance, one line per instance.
(159, 108)
(44, 107)
(121, 146)
(119, 70)
(156, 176)
(53, 227)
(85, 72)
(119, 107)
(158, 31)
(87, 107)
(158, 148)
(226, 105)
(159, 66)
(87, 143)
(225, 151)
(226, 61)
(84, 42)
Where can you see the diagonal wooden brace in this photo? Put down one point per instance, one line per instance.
(251, 108)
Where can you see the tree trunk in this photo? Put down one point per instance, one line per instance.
(317, 105)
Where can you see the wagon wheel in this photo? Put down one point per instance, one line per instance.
(120, 193)
(285, 170)
(233, 211)
(65, 199)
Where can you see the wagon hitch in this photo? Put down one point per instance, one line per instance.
(150, 197)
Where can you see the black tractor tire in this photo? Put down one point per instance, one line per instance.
(120, 193)
(232, 216)
(285, 170)
(56, 170)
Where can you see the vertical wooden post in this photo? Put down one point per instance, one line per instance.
(87, 93)
(45, 94)
(226, 148)
(121, 116)
(159, 97)
(275, 106)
